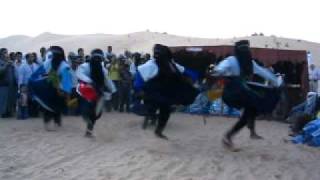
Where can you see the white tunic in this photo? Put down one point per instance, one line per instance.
(83, 74)
(150, 69)
(309, 58)
(230, 67)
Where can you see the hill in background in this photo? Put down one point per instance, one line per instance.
(143, 42)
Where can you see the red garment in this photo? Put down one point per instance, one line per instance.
(87, 92)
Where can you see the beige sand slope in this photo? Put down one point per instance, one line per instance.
(143, 41)
(123, 151)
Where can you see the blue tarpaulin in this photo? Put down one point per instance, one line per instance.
(203, 105)
(310, 134)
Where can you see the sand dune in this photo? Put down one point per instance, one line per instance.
(143, 42)
(123, 151)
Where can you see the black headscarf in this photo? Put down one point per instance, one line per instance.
(243, 55)
(137, 59)
(96, 70)
(163, 57)
(57, 57)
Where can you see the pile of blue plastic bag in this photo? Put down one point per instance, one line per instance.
(216, 109)
(310, 134)
(202, 105)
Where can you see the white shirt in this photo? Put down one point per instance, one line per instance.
(230, 67)
(25, 71)
(16, 70)
(314, 74)
(133, 69)
(150, 69)
(309, 58)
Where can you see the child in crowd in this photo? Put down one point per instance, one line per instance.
(23, 103)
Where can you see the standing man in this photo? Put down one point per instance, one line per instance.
(81, 54)
(26, 70)
(125, 86)
(17, 65)
(109, 53)
(314, 76)
(309, 58)
(136, 61)
(114, 75)
(24, 74)
(12, 57)
(42, 54)
(7, 84)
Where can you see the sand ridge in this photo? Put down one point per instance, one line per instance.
(143, 42)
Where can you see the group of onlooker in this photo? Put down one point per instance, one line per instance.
(16, 68)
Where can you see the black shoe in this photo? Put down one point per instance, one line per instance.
(160, 135)
(89, 134)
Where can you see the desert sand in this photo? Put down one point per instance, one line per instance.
(143, 42)
(122, 151)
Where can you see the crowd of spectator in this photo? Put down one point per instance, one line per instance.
(17, 67)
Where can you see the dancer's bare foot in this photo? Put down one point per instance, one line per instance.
(89, 134)
(255, 136)
(228, 144)
(160, 135)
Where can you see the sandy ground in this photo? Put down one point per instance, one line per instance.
(123, 151)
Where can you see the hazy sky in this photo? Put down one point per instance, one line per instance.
(198, 18)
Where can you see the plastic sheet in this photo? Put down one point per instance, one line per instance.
(310, 134)
(203, 105)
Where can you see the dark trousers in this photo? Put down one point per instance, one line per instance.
(48, 116)
(124, 98)
(23, 112)
(88, 113)
(90, 123)
(91, 120)
(164, 114)
(151, 116)
(33, 109)
(247, 119)
(115, 96)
